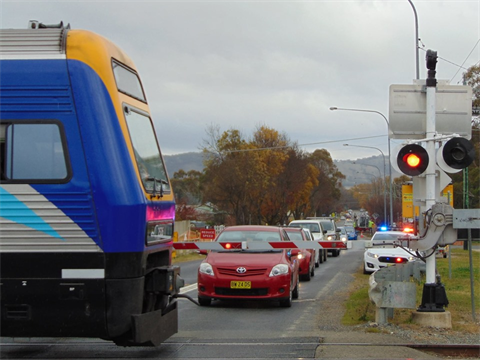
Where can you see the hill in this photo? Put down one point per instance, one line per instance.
(356, 171)
(186, 162)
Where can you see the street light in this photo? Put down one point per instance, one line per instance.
(384, 182)
(333, 108)
(416, 37)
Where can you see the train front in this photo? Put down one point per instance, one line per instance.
(87, 215)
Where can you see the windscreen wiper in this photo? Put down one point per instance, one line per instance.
(155, 180)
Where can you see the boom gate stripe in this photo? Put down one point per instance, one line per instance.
(259, 245)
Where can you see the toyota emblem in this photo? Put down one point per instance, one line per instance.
(241, 270)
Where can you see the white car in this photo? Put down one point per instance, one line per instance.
(380, 251)
(317, 232)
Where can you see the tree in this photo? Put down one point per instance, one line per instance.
(186, 187)
(227, 173)
(324, 197)
(472, 78)
(263, 180)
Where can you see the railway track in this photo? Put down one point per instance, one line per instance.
(178, 348)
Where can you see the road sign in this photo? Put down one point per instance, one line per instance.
(466, 219)
(207, 234)
(407, 110)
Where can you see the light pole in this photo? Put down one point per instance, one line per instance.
(384, 182)
(333, 108)
(416, 38)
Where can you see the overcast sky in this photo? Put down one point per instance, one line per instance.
(282, 64)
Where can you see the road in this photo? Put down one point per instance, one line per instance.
(223, 330)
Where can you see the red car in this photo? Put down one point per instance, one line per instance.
(263, 274)
(306, 258)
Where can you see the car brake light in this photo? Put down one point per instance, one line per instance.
(408, 230)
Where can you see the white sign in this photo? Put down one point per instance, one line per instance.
(408, 104)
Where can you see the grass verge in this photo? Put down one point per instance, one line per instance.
(186, 255)
(359, 309)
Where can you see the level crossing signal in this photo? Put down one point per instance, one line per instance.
(454, 155)
(412, 159)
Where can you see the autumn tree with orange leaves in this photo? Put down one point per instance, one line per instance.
(266, 179)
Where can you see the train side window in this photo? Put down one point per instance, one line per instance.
(147, 153)
(33, 152)
(128, 81)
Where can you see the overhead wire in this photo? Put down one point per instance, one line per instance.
(307, 144)
(464, 61)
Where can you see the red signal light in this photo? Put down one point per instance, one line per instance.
(408, 230)
(399, 260)
(228, 246)
(412, 160)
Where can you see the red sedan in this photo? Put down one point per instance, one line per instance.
(306, 258)
(263, 274)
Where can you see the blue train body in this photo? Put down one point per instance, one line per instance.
(85, 239)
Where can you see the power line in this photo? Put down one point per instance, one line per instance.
(308, 144)
(450, 62)
(466, 59)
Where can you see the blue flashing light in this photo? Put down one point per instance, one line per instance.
(383, 228)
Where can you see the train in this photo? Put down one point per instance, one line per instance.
(87, 209)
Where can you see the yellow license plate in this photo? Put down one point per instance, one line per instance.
(240, 285)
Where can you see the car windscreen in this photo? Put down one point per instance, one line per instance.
(327, 225)
(241, 235)
(384, 238)
(313, 227)
(294, 235)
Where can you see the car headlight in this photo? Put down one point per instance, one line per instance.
(330, 237)
(206, 268)
(344, 238)
(372, 255)
(300, 256)
(411, 258)
(280, 269)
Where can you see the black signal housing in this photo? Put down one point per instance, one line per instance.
(412, 152)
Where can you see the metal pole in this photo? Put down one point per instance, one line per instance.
(430, 173)
(469, 237)
(388, 137)
(416, 40)
(384, 180)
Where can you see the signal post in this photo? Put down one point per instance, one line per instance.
(424, 114)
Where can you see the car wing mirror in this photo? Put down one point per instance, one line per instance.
(294, 252)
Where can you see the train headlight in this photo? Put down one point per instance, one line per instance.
(159, 231)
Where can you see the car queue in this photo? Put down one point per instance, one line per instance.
(266, 269)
